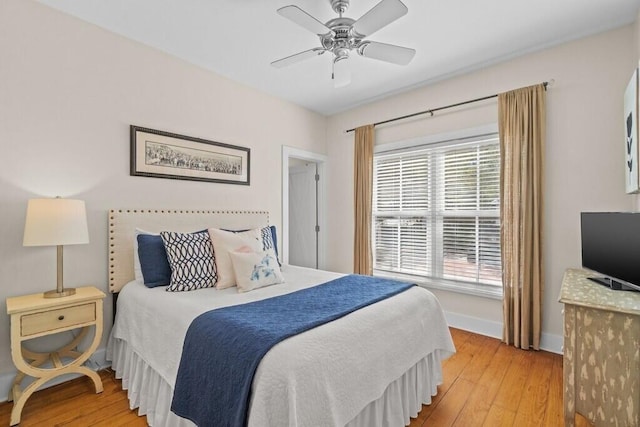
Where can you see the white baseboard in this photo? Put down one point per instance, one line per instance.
(97, 362)
(489, 328)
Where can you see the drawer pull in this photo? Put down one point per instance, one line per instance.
(61, 317)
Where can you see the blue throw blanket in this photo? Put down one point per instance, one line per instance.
(223, 347)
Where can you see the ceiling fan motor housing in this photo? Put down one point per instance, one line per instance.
(341, 36)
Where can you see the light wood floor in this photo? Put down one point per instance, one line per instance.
(486, 383)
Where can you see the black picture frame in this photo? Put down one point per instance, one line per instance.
(159, 154)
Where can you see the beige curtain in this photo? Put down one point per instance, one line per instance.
(363, 191)
(521, 116)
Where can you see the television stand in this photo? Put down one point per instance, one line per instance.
(601, 367)
(614, 284)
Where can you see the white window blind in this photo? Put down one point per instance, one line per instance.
(436, 211)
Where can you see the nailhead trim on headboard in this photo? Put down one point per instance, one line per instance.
(121, 241)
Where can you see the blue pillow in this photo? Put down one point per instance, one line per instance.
(153, 260)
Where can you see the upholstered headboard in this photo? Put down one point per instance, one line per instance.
(123, 222)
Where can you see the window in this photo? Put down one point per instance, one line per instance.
(436, 214)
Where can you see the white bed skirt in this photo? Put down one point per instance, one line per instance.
(151, 394)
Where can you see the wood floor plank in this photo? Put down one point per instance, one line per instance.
(481, 359)
(511, 389)
(485, 383)
(451, 405)
(500, 417)
(533, 405)
(496, 370)
(554, 415)
(475, 409)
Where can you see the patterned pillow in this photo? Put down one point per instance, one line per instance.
(191, 259)
(255, 270)
(269, 241)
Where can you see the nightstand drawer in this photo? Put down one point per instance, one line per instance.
(32, 324)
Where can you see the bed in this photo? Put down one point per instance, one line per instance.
(373, 367)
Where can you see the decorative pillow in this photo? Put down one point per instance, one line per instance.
(227, 241)
(269, 239)
(191, 259)
(152, 259)
(255, 270)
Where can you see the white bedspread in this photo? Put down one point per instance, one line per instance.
(323, 377)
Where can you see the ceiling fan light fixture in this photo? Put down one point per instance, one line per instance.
(340, 73)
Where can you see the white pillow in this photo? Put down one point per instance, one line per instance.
(255, 270)
(227, 241)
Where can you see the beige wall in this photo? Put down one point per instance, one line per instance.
(584, 154)
(68, 93)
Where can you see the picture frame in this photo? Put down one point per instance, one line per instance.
(159, 154)
(632, 179)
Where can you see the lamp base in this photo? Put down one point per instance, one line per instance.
(64, 293)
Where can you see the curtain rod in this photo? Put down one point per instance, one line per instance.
(433, 110)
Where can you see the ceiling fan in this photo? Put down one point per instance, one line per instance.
(342, 35)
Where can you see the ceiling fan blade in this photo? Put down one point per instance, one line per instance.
(301, 56)
(341, 74)
(302, 18)
(387, 52)
(379, 16)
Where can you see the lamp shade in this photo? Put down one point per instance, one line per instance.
(54, 222)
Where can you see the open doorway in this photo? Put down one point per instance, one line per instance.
(303, 213)
(303, 187)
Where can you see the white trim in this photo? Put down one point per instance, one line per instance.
(476, 325)
(321, 161)
(490, 328)
(476, 289)
(490, 128)
(552, 342)
(96, 362)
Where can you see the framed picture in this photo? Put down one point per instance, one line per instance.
(160, 154)
(631, 134)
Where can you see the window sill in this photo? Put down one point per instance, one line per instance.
(446, 285)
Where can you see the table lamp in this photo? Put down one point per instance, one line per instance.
(56, 222)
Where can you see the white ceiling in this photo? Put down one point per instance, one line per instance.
(240, 38)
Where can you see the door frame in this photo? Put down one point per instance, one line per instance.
(320, 160)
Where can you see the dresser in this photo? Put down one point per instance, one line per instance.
(601, 362)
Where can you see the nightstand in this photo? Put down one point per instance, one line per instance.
(34, 316)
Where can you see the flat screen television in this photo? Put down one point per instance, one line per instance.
(611, 247)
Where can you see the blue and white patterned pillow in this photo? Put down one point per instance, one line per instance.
(255, 270)
(269, 241)
(191, 259)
